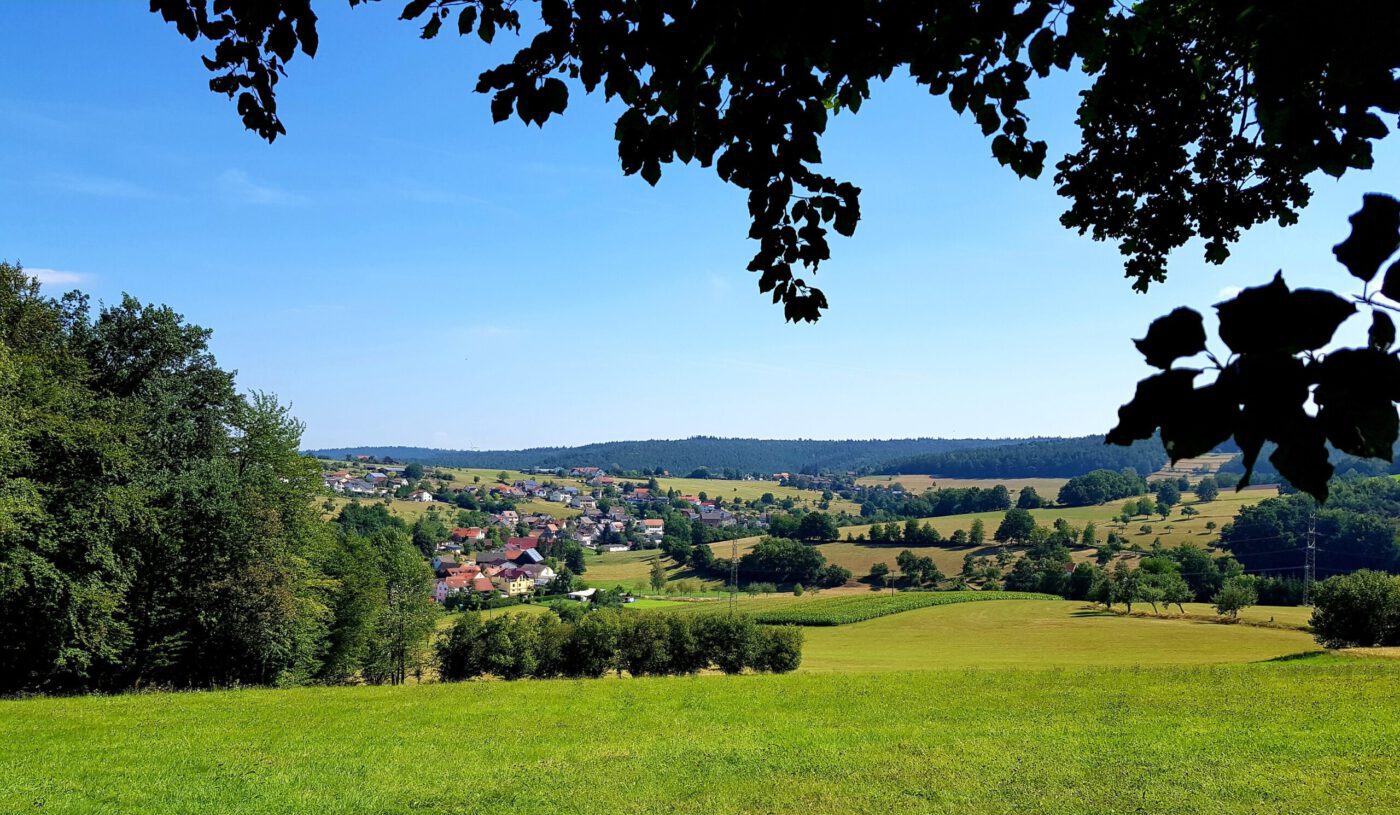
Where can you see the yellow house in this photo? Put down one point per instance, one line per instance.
(514, 582)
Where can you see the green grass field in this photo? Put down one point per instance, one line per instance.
(748, 490)
(1037, 633)
(1305, 736)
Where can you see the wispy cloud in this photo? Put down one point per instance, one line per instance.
(102, 187)
(239, 186)
(1228, 293)
(497, 332)
(55, 277)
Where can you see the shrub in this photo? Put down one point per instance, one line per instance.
(1361, 609)
(778, 649)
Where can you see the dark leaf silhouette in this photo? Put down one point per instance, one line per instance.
(1375, 235)
(1179, 334)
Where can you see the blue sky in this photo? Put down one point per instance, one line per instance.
(404, 272)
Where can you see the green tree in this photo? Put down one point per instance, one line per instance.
(1361, 609)
(976, 533)
(1234, 596)
(459, 651)
(817, 526)
(658, 574)
(1207, 489)
(1016, 527)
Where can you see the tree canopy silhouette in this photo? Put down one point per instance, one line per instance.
(1204, 118)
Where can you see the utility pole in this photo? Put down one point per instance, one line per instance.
(1310, 562)
(733, 572)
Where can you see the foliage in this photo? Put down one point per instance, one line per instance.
(1360, 609)
(758, 456)
(787, 561)
(1275, 335)
(1234, 596)
(1047, 458)
(1101, 486)
(158, 528)
(516, 646)
(854, 609)
(1356, 530)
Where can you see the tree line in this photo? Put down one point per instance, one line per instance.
(158, 528)
(575, 642)
(684, 456)
(1054, 458)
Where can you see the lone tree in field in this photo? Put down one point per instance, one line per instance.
(658, 574)
(1204, 118)
(1234, 596)
(1207, 489)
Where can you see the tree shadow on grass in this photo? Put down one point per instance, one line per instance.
(1301, 656)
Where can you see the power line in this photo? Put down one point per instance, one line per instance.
(1310, 562)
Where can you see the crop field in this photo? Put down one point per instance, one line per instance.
(849, 609)
(1036, 633)
(749, 490)
(1191, 467)
(1314, 735)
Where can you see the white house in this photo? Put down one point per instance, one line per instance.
(421, 496)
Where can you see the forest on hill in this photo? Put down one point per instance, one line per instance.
(1045, 458)
(681, 456)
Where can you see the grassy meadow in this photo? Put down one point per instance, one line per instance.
(1037, 633)
(1313, 735)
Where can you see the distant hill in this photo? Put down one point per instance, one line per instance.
(681, 456)
(1046, 458)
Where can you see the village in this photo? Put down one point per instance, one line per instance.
(513, 554)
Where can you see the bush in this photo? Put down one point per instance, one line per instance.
(1361, 609)
(779, 649)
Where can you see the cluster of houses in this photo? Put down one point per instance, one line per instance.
(514, 570)
(380, 482)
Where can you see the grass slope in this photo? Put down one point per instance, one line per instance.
(1041, 634)
(859, 557)
(1308, 736)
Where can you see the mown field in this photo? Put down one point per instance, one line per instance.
(748, 490)
(1037, 633)
(1318, 735)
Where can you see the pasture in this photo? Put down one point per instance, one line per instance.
(1037, 633)
(1311, 735)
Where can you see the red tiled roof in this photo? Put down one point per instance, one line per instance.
(523, 543)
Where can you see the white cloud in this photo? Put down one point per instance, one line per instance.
(102, 187)
(239, 186)
(54, 277)
(1228, 293)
